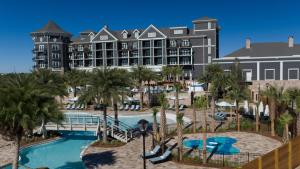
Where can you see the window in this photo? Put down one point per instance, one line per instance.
(173, 61)
(124, 35)
(124, 54)
(135, 45)
(104, 37)
(136, 34)
(124, 45)
(90, 47)
(41, 47)
(146, 44)
(185, 43)
(208, 25)
(247, 75)
(209, 59)
(293, 74)
(157, 52)
(269, 74)
(178, 31)
(41, 39)
(55, 47)
(151, 34)
(158, 43)
(70, 49)
(80, 48)
(173, 52)
(135, 54)
(209, 41)
(173, 43)
(146, 52)
(55, 55)
(185, 52)
(209, 50)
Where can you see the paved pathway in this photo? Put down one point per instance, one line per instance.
(127, 156)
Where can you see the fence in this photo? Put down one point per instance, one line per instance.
(195, 156)
(284, 157)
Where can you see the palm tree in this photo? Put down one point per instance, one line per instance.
(277, 102)
(201, 103)
(216, 80)
(104, 85)
(292, 94)
(22, 104)
(163, 120)
(154, 124)
(286, 119)
(75, 78)
(149, 76)
(237, 90)
(138, 74)
(179, 119)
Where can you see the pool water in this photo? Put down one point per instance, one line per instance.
(62, 153)
(225, 145)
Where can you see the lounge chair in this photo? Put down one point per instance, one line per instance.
(68, 107)
(171, 107)
(77, 107)
(132, 107)
(121, 107)
(137, 107)
(81, 107)
(181, 107)
(153, 152)
(126, 107)
(161, 158)
(73, 107)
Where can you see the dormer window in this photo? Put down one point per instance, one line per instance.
(80, 48)
(125, 34)
(136, 33)
(178, 31)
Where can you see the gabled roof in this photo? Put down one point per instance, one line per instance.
(51, 27)
(266, 50)
(157, 30)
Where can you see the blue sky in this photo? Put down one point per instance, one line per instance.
(261, 20)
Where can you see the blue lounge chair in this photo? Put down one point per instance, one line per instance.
(153, 152)
(161, 158)
(181, 107)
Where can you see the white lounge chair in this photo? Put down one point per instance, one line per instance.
(137, 107)
(81, 106)
(181, 107)
(126, 107)
(68, 107)
(132, 107)
(73, 107)
(77, 107)
(121, 107)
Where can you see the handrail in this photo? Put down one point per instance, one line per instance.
(120, 123)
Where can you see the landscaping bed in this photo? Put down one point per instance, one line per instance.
(110, 143)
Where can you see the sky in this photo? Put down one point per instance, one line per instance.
(260, 20)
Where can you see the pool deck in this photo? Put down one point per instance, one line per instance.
(127, 156)
(6, 151)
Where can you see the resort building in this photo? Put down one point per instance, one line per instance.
(266, 63)
(50, 48)
(191, 48)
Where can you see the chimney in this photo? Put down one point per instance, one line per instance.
(291, 41)
(248, 43)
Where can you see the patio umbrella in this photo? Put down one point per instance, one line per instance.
(74, 99)
(174, 98)
(246, 106)
(224, 104)
(267, 111)
(261, 107)
(254, 107)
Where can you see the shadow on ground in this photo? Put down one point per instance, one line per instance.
(72, 165)
(99, 159)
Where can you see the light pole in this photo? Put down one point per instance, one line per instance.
(143, 125)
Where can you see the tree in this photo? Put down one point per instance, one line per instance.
(75, 78)
(201, 103)
(104, 85)
(286, 119)
(138, 74)
(154, 124)
(216, 80)
(292, 95)
(21, 106)
(277, 100)
(163, 120)
(179, 119)
(297, 103)
(237, 90)
(149, 76)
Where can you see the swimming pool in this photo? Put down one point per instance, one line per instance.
(130, 120)
(62, 153)
(225, 145)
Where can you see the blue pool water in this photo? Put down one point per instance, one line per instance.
(62, 153)
(79, 118)
(225, 145)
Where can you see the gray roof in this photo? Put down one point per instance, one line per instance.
(205, 18)
(266, 50)
(51, 27)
